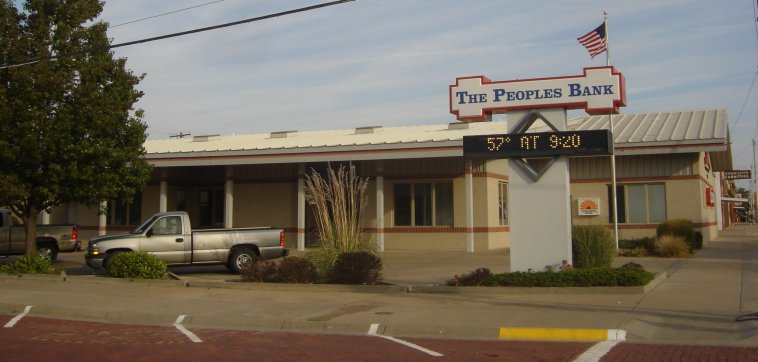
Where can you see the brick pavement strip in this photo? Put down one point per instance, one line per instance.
(649, 353)
(35, 338)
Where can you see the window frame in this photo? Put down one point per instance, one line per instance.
(622, 191)
(502, 203)
(412, 199)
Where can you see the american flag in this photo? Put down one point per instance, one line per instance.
(594, 41)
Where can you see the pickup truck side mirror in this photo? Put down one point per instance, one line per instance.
(149, 233)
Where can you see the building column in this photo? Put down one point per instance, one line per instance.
(163, 200)
(380, 206)
(301, 207)
(229, 198)
(45, 217)
(102, 220)
(717, 202)
(469, 207)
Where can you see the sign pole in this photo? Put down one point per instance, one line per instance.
(613, 143)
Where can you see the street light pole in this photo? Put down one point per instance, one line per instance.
(752, 193)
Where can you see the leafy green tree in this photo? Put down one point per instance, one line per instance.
(68, 127)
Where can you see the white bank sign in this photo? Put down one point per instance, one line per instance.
(600, 90)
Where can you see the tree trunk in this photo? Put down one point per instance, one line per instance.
(30, 228)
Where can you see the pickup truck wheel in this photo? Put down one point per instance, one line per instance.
(48, 251)
(240, 258)
(107, 260)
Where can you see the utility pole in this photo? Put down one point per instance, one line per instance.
(752, 193)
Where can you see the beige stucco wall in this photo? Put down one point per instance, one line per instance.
(265, 204)
(684, 200)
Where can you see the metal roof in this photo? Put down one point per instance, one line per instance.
(663, 132)
(644, 133)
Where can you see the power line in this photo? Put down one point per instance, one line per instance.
(164, 14)
(199, 30)
(744, 103)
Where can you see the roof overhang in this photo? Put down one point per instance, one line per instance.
(311, 154)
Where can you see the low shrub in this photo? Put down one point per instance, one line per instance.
(636, 252)
(262, 271)
(672, 246)
(593, 246)
(137, 265)
(647, 243)
(682, 228)
(294, 269)
(588, 277)
(474, 278)
(357, 268)
(29, 265)
(325, 256)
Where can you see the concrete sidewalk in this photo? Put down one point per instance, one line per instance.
(696, 303)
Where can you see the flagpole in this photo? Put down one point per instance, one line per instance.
(613, 141)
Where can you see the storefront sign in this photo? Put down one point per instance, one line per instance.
(588, 206)
(735, 175)
(600, 90)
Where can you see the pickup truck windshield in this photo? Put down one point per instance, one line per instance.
(145, 225)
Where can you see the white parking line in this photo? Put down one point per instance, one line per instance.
(181, 328)
(596, 352)
(375, 327)
(17, 318)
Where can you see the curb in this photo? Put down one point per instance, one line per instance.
(339, 288)
(562, 334)
(334, 288)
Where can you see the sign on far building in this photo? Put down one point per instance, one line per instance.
(735, 174)
(588, 206)
(600, 90)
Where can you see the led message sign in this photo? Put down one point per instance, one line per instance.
(542, 144)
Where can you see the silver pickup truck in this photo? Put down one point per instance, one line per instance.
(50, 238)
(169, 237)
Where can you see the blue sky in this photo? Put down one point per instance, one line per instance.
(390, 62)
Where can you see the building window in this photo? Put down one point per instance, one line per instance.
(639, 203)
(122, 212)
(424, 204)
(212, 207)
(502, 202)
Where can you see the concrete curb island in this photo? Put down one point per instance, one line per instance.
(340, 288)
(81, 312)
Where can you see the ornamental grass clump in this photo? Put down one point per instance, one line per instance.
(337, 201)
(683, 228)
(593, 246)
(672, 246)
